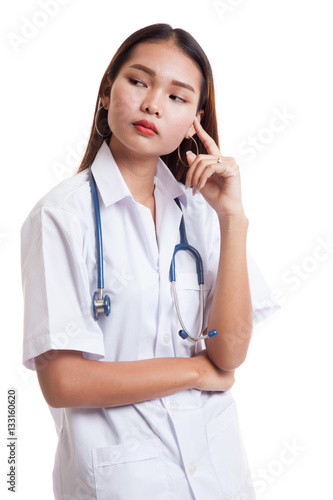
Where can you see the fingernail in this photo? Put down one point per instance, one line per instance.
(187, 152)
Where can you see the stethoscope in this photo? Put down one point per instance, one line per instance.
(102, 303)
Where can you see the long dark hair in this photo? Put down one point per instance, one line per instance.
(184, 41)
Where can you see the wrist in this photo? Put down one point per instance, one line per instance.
(234, 220)
(194, 371)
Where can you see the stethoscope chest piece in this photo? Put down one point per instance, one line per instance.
(101, 303)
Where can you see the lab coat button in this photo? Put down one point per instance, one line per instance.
(166, 338)
(192, 469)
(173, 404)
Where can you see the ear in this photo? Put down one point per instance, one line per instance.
(191, 131)
(105, 96)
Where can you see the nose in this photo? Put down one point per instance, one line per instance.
(153, 103)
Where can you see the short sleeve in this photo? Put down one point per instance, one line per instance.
(263, 301)
(57, 299)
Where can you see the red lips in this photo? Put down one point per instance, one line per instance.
(146, 124)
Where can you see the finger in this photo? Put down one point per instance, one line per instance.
(206, 139)
(190, 156)
(209, 171)
(204, 169)
(196, 164)
(223, 170)
(194, 161)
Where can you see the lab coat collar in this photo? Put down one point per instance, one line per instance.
(165, 180)
(112, 186)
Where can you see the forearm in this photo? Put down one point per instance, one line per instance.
(231, 310)
(69, 380)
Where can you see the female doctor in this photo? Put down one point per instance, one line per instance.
(141, 412)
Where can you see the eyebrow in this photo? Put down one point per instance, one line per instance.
(152, 73)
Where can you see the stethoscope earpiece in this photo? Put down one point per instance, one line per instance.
(183, 334)
(212, 333)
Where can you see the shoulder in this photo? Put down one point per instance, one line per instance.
(69, 196)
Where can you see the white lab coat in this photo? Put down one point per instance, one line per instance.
(187, 445)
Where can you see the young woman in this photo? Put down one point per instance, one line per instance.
(141, 412)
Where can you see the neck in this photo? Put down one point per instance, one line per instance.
(137, 171)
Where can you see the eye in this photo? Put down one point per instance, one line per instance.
(136, 83)
(177, 98)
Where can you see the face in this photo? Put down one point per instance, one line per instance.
(160, 85)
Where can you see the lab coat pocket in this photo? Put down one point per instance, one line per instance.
(188, 295)
(227, 450)
(189, 281)
(130, 471)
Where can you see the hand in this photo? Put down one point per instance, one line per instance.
(211, 378)
(219, 183)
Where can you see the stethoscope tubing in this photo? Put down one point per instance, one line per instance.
(98, 229)
(102, 303)
(185, 330)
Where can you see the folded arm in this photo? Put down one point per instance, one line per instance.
(69, 380)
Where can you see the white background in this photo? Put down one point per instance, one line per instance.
(268, 58)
